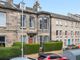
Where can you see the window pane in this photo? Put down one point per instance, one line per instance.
(66, 23)
(60, 32)
(24, 20)
(32, 21)
(60, 22)
(56, 22)
(41, 40)
(71, 32)
(56, 32)
(65, 32)
(46, 38)
(45, 23)
(2, 19)
(41, 24)
(24, 38)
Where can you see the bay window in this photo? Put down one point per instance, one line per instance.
(43, 23)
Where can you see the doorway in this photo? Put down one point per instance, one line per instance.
(68, 41)
(2, 41)
(30, 40)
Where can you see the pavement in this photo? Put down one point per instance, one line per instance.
(36, 55)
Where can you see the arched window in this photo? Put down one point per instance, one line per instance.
(31, 22)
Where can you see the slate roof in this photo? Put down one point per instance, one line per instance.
(63, 17)
(6, 5)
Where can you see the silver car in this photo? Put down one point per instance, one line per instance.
(22, 58)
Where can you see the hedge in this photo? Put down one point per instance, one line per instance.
(34, 48)
(28, 48)
(52, 46)
(31, 48)
(7, 53)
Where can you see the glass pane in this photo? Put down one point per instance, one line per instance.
(24, 20)
(78, 57)
(2, 19)
(41, 24)
(24, 38)
(46, 38)
(31, 21)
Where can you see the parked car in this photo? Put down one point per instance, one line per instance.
(51, 56)
(23, 58)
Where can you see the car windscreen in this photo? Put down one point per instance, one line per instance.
(54, 57)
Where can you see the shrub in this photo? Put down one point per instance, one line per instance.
(34, 48)
(9, 52)
(18, 44)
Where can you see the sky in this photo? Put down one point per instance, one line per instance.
(56, 6)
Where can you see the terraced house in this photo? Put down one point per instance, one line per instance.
(37, 25)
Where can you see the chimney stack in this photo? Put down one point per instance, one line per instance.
(36, 6)
(10, 1)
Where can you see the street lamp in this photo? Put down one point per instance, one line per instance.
(41, 49)
(22, 52)
(22, 7)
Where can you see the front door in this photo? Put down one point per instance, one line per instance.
(68, 41)
(30, 40)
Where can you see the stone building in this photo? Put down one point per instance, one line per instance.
(66, 29)
(37, 25)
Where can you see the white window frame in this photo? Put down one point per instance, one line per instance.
(46, 39)
(40, 24)
(2, 19)
(57, 22)
(32, 22)
(45, 26)
(66, 23)
(24, 21)
(60, 22)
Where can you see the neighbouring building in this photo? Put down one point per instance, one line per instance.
(37, 25)
(66, 29)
